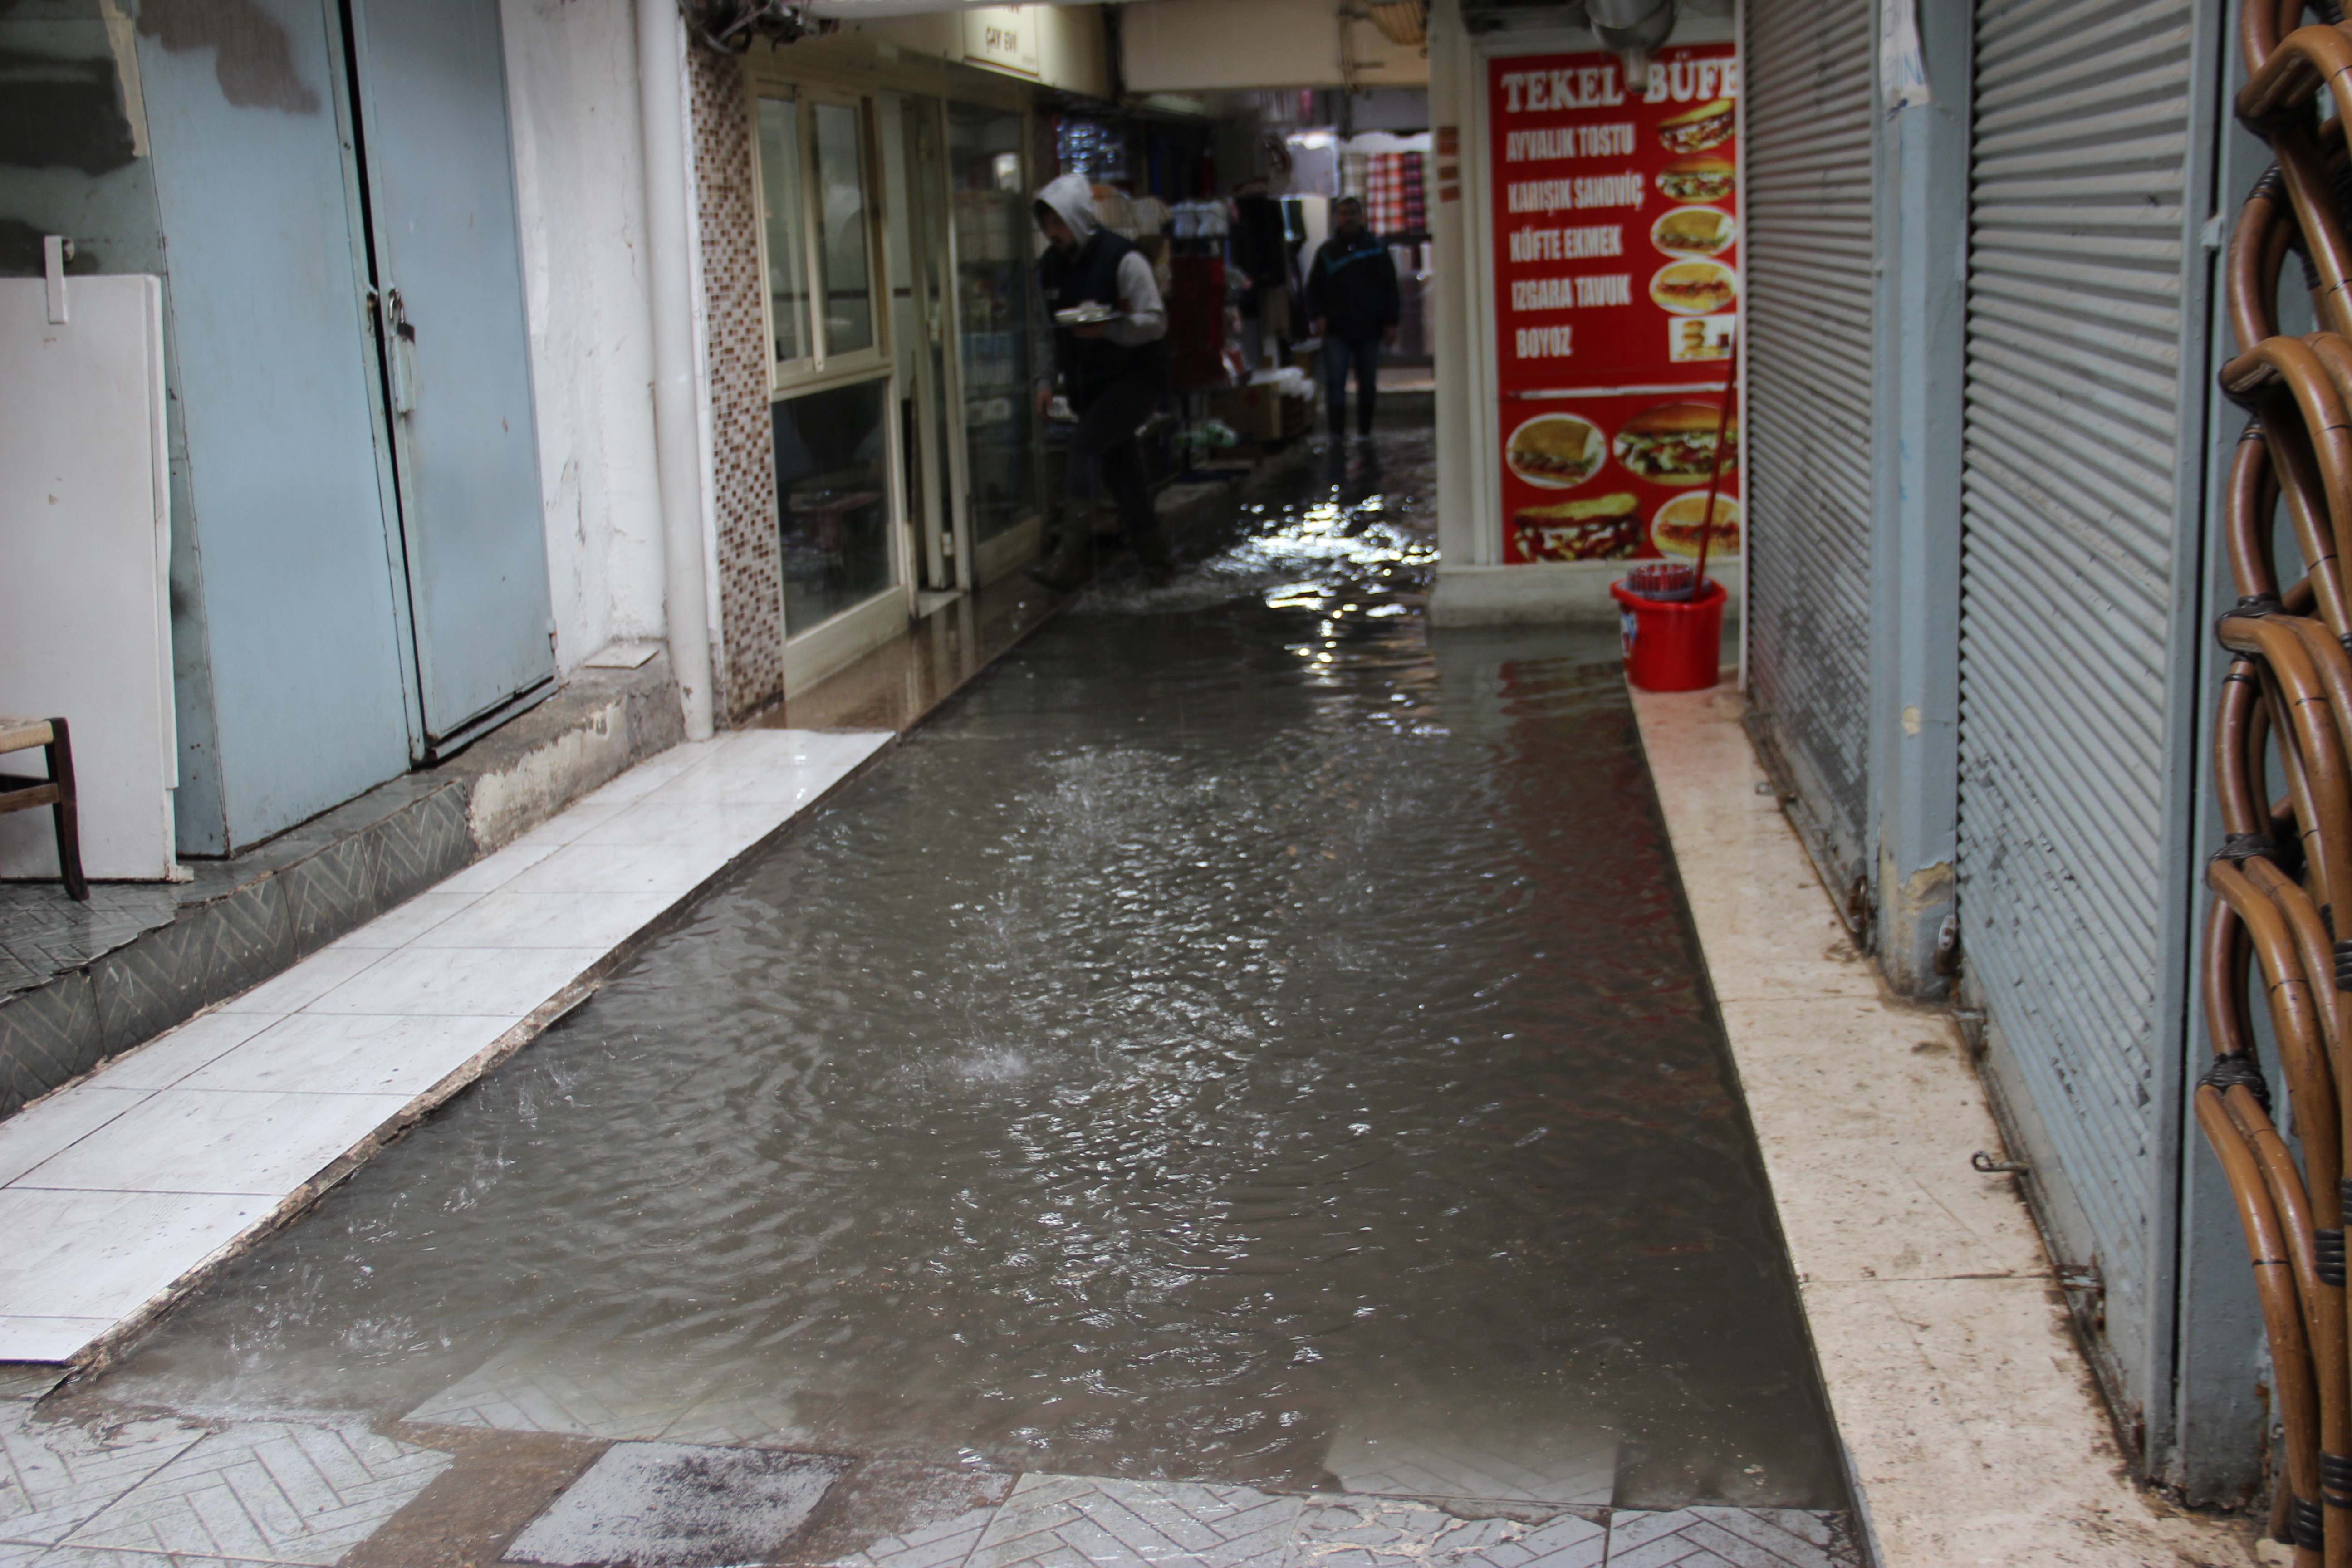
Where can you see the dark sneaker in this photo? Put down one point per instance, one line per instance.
(1051, 574)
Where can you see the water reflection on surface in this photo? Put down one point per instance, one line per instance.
(1238, 1041)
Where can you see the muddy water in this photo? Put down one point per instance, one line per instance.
(1239, 1040)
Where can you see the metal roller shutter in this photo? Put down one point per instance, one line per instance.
(1808, 83)
(2075, 273)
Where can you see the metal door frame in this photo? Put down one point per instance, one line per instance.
(2217, 1439)
(345, 89)
(939, 359)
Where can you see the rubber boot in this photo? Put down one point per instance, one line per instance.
(1071, 559)
(1150, 547)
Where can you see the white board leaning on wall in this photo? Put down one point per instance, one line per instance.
(85, 551)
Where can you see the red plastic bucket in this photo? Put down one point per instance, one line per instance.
(1672, 645)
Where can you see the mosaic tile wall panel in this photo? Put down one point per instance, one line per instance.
(751, 664)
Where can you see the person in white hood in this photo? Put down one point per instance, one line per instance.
(1114, 371)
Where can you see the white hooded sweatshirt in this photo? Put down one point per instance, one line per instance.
(1144, 318)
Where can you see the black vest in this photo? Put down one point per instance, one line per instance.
(1090, 274)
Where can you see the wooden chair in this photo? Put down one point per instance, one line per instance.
(56, 792)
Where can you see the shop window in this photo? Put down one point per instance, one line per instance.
(787, 248)
(992, 252)
(832, 495)
(841, 193)
(817, 170)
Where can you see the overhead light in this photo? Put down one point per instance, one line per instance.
(1633, 28)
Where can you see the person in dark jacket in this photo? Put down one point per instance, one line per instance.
(1114, 372)
(1351, 296)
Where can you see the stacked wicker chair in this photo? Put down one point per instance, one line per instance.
(2282, 756)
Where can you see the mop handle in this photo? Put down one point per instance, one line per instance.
(1715, 474)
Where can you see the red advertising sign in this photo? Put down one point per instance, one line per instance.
(1616, 217)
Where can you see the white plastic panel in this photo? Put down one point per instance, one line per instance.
(85, 528)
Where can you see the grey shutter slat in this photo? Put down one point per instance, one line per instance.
(2078, 170)
(1808, 426)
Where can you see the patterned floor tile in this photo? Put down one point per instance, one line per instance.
(1576, 1471)
(47, 1035)
(55, 1475)
(1076, 1521)
(1387, 1532)
(947, 1544)
(890, 1514)
(735, 1417)
(24, 1381)
(43, 932)
(1565, 1541)
(517, 1392)
(1731, 1538)
(95, 1557)
(268, 1492)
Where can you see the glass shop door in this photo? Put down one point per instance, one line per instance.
(997, 323)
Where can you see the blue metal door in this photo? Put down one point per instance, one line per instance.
(441, 209)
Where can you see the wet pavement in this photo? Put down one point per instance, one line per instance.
(1241, 1043)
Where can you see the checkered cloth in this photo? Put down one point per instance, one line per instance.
(1390, 183)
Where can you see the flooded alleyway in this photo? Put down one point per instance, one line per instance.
(1243, 1040)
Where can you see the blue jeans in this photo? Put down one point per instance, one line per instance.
(1338, 354)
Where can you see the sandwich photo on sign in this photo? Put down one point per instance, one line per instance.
(1673, 444)
(1558, 451)
(1674, 528)
(1602, 528)
(1696, 130)
(1695, 287)
(1695, 232)
(1695, 338)
(1702, 179)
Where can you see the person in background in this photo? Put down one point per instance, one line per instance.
(1114, 372)
(1352, 295)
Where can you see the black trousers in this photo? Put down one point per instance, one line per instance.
(1364, 353)
(1108, 414)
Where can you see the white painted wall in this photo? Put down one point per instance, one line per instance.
(571, 86)
(1196, 46)
(1072, 46)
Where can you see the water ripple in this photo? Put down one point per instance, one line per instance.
(1237, 1027)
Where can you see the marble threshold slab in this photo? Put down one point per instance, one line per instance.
(1974, 1435)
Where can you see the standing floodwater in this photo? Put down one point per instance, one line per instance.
(1239, 1040)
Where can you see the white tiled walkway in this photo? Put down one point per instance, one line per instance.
(114, 1188)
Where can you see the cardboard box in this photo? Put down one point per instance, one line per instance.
(1254, 412)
